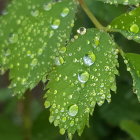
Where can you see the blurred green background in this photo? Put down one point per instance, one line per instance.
(120, 120)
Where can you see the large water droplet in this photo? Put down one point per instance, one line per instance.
(83, 77)
(89, 59)
(134, 28)
(73, 110)
(65, 12)
(47, 7)
(56, 24)
(13, 38)
(82, 30)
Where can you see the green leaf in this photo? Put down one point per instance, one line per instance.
(124, 2)
(84, 79)
(131, 128)
(133, 64)
(128, 25)
(32, 33)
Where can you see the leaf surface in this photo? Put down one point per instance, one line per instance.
(128, 25)
(124, 2)
(133, 65)
(31, 34)
(84, 79)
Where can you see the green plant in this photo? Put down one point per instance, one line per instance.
(36, 45)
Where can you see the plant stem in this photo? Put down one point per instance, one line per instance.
(91, 15)
(27, 121)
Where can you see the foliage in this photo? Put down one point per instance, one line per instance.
(77, 71)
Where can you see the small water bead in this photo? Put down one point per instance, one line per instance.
(47, 7)
(113, 88)
(56, 122)
(96, 40)
(100, 103)
(35, 13)
(62, 109)
(56, 24)
(51, 119)
(59, 61)
(62, 131)
(125, 2)
(34, 62)
(55, 92)
(89, 59)
(87, 110)
(92, 104)
(65, 12)
(47, 104)
(82, 30)
(73, 110)
(134, 28)
(40, 51)
(13, 38)
(72, 123)
(69, 136)
(83, 77)
(23, 81)
(62, 50)
(64, 119)
(107, 68)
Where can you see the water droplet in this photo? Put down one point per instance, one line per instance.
(72, 123)
(73, 110)
(56, 24)
(13, 38)
(89, 59)
(65, 12)
(83, 77)
(47, 7)
(40, 51)
(134, 28)
(47, 104)
(34, 62)
(35, 13)
(70, 136)
(96, 40)
(51, 119)
(59, 61)
(64, 119)
(125, 2)
(56, 123)
(82, 30)
(62, 50)
(62, 131)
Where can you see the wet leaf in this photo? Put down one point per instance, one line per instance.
(128, 25)
(85, 78)
(133, 65)
(31, 37)
(124, 2)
